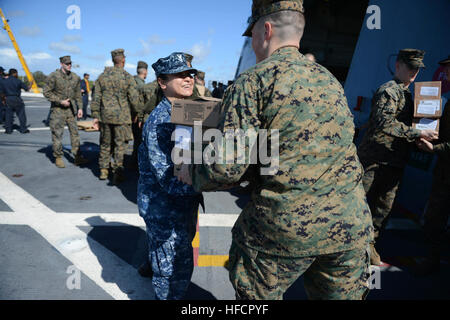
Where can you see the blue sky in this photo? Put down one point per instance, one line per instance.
(146, 29)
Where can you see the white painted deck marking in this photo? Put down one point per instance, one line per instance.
(57, 231)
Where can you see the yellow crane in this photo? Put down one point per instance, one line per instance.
(19, 53)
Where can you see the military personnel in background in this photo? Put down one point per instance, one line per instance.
(63, 90)
(2, 106)
(154, 93)
(11, 90)
(142, 71)
(116, 98)
(189, 59)
(199, 88)
(310, 217)
(85, 90)
(215, 90)
(219, 91)
(437, 214)
(386, 146)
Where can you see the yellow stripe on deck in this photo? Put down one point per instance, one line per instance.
(196, 241)
(212, 261)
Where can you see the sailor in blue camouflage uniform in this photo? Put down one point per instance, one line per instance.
(11, 88)
(2, 106)
(168, 206)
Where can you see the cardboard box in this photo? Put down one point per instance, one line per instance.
(427, 99)
(426, 124)
(207, 110)
(185, 113)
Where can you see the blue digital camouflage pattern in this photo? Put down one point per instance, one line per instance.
(168, 207)
(175, 63)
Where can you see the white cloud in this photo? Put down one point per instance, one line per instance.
(30, 31)
(146, 47)
(34, 60)
(8, 53)
(200, 51)
(4, 40)
(156, 40)
(151, 43)
(38, 56)
(64, 47)
(72, 38)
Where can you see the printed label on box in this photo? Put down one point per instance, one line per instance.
(427, 124)
(428, 107)
(429, 91)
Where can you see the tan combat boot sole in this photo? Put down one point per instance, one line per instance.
(60, 163)
(103, 174)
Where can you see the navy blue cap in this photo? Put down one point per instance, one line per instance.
(175, 63)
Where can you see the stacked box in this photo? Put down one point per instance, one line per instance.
(185, 113)
(427, 105)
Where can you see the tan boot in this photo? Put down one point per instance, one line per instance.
(59, 163)
(375, 258)
(79, 160)
(103, 174)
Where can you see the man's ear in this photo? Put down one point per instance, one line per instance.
(268, 31)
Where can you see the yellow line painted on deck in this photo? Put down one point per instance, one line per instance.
(212, 261)
(196, 241)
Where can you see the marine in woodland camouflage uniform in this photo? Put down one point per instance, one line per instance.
(311, 216)
(137, 124)
(386, 146)
(64, 85)
(438, 211)
(199, 88)
(116, 98)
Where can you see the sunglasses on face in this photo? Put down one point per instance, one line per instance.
(185, 75)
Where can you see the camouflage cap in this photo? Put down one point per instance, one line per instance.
(175, 63)
(261, 8)
(201, 75)
(412, 57)
(188, 57)
(142, 65)
(117, 53)
(445, 61)
(65, 59)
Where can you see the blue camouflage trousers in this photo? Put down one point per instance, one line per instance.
(170, 233)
